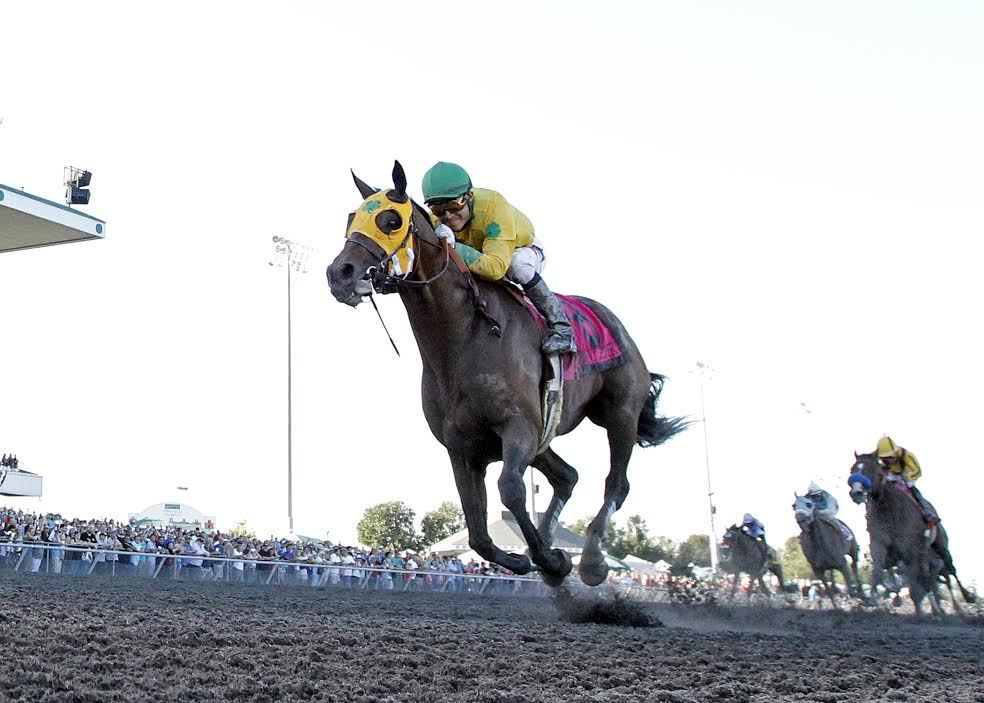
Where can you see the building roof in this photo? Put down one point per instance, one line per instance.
(506, 535)
(28, 221)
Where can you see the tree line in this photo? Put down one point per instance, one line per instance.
(393, 524)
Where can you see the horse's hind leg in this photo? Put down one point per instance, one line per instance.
(621, 439)
(562, 477)
(829, 586)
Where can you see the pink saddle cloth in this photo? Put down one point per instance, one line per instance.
(597, 348)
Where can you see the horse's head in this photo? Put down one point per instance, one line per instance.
(804, 511)
(866, 476)
(730, 538)
(379, 238)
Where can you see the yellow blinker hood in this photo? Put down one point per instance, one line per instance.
(397, 244)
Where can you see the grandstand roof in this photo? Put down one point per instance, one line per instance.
(28, 221)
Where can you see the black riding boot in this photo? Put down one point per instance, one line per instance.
(928, 511)
(560, 338)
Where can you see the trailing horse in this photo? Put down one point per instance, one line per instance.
(482, 376)
(896, 527)
(747, 555)
(826, 546)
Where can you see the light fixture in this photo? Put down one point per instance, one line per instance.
(76, 186)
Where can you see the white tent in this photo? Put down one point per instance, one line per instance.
(506, 535)
(614, 563)
(639, 565)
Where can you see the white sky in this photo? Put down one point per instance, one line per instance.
(788, 191)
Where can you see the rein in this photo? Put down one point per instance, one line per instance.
(385, 283)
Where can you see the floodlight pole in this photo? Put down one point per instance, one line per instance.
(292, 256)
(290, 406)
(532, 494)
(703, 371)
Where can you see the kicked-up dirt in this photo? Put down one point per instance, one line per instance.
(99, 639)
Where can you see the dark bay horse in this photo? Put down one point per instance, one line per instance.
(481, 387)
(896, 527)
(826, 548)
(747, 555)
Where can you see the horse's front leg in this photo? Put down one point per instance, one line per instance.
(857, 577)
(879, 557)
(621, 439)
(469, 477)
(518, 446)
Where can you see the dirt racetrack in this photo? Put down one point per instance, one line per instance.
(99, 639)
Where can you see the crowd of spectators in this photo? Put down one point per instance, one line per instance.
(9, 461)
(86, 546)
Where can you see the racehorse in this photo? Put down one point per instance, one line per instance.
(482, 375)
(896, 528)
(747, 555)
(826, 547)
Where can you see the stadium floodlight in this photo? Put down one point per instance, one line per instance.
(292, 256)
(704, 373)
(76, 186)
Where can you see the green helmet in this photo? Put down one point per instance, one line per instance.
(444, 181)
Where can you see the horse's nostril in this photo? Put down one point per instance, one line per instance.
(341, 273)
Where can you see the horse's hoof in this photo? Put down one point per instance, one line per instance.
(593, 574)
(555, 576)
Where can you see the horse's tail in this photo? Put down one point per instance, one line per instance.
(654, 429)
(942, 549)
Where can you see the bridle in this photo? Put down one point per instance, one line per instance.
(384, 282)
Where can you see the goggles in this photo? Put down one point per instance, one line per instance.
(445, 206)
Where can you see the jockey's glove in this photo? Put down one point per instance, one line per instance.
(444, 232)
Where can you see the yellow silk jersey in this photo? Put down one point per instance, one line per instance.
(496, 230)
(907, 466)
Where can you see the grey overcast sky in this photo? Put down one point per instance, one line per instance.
(788, 191)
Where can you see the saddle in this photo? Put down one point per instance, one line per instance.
(926, 509)
(597, 348)
(845, 531)
(598, 351)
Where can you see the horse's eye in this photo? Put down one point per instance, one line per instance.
(389, 221)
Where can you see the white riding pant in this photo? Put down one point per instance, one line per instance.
(526, 263)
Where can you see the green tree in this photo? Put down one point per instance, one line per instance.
(388, 524)
(660, 548)
(634, 539)
(794, 563)
(440, 523)
(696, 549)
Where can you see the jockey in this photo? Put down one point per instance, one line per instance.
(825, 504)
(903, 467)
(496, 241)
(753, 527)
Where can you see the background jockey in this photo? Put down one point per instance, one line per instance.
(751, 525)
(825, 504)
(903, 466)
(496, 241)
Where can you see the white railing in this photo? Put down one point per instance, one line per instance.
(266, 571)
